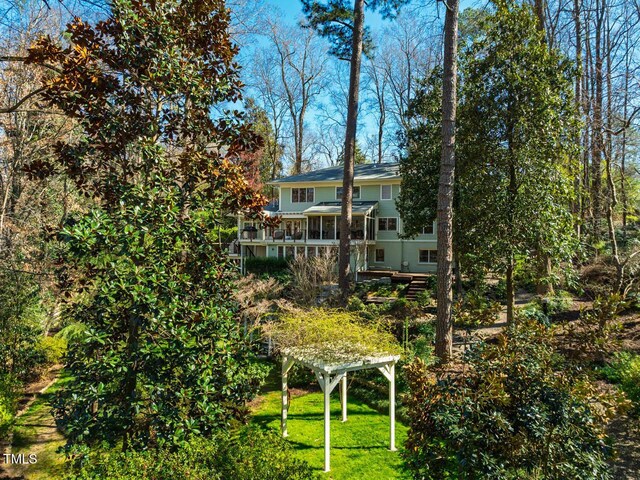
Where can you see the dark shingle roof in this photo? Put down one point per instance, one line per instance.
(367, 171)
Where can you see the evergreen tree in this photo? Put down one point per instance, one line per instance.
(517, 145)
(161, 355)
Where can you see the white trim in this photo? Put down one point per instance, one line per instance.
(331, 183)
(391, 192)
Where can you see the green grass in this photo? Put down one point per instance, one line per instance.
(359, 447)
(35, 433)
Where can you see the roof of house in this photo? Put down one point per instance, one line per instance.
(366, 171)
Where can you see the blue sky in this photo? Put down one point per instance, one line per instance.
(293, 10)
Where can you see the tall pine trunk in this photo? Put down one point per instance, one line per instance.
(444, 322)
(349, 150)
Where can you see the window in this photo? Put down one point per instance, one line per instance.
(356, 193)
(379, 254)
(428, 256)
(385, 192)
(302, 195)
(428, 229)
(388, 224)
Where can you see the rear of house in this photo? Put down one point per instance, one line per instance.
(308, 209)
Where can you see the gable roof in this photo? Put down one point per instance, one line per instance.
(366, 171)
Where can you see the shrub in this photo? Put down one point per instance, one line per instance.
(301, 376)
(475, 310)
(533, 311)
(52, 349)
(624, 370)
(248, 454)
(424, 298)
(593, 330)
(554, 304)
(310, 276)
(512, 416)
(8, 402)
(225, 235)
(268, 265)
(21, 320)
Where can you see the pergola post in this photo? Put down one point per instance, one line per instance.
(392, 407)
(343, 397)
(286, 366)
(327, 420)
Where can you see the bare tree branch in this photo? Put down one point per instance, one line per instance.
(24, 99)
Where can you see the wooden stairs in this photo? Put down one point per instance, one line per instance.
(416, 286)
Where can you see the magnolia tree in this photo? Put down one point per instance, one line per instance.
(161, 355)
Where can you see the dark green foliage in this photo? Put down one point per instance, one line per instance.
(420, 167)
(624, 370)
(511, 415)
(266, 265)
(8, 402)
(225, 235)
(476, 310)
(247, 454)
(517, 150)
(162, 356)
(334, 19)
(301, 377)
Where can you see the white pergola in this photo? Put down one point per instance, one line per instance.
(329, 374)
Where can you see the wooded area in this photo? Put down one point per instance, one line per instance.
(133, 133)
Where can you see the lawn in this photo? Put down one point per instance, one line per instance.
(359, 447)
(35, 433)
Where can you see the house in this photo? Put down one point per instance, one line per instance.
(309, 207)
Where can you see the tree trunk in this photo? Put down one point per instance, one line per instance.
(511, 296)
(597, 133)
(544, 286)
(578, 93)
(349, 150)
(444, 322)
(539, 7)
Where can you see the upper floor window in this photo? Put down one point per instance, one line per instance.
(302, 195)
(356, 193)
(428, 229)
(385, 192)
(388, 224)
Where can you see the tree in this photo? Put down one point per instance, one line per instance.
(264, 164)
(420, 166)
(346, 30)
(160, 355)
(300, 64)
(444, 320)
(517, 145)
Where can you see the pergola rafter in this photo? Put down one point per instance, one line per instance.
(331, 373)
